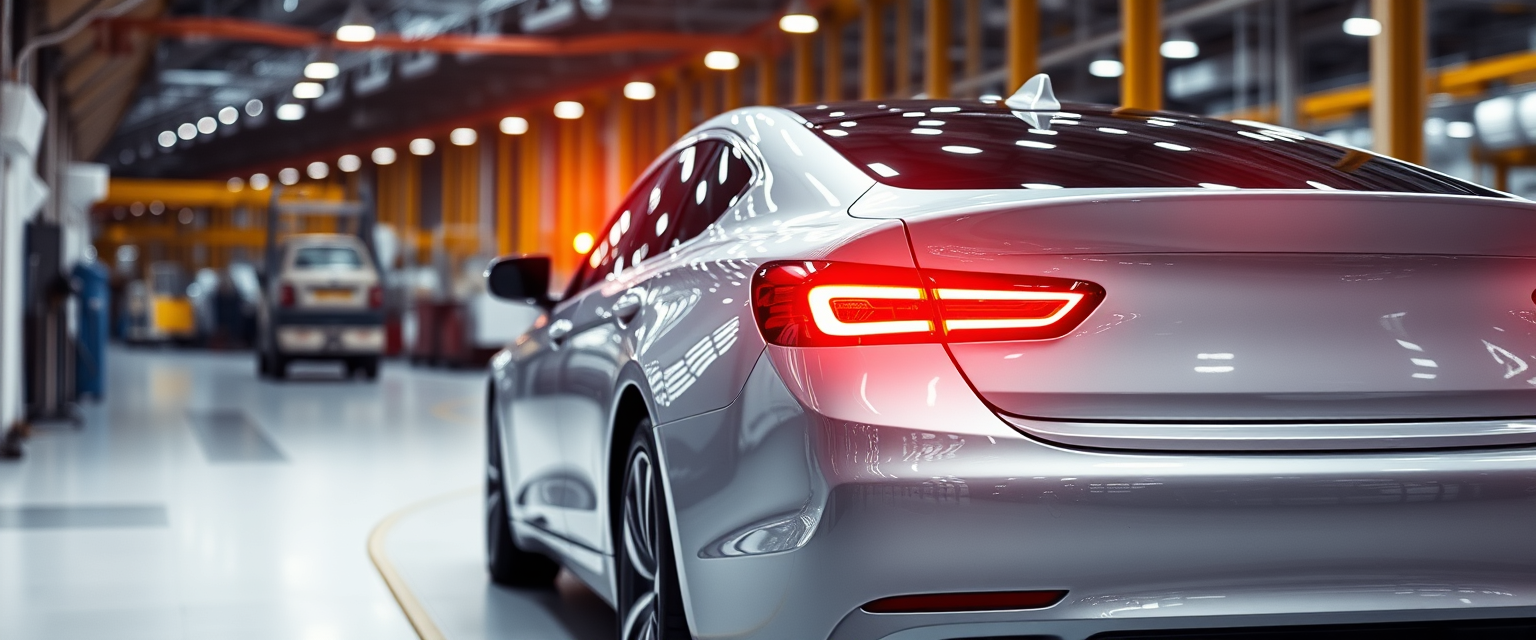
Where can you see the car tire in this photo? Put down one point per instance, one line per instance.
(650, 601)
(509, 565)
(371, 369)
(279, 366)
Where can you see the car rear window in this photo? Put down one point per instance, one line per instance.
(326, 258)
(938, 145)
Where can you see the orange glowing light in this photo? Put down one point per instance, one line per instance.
(582, 242)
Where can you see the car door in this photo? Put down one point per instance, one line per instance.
(540, 485)
(610, 308)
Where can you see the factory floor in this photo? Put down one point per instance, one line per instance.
(197, 501)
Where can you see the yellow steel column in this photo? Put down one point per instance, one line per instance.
(530, 206)
(661, 116)
(1023, 42)
(940, 22)
(567, 169)
(903, 49)
(972, 42)
(684, 102)
(411, 167)
(591, 200)
(469, 199)
(1141, 87)
(1400, 93)
(624, 134)
(873, 54)
(832, 60)
(709, 94)
(506, 235)
(805, 72)
(767, 78)
(730, 89)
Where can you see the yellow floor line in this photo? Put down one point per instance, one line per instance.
(414, 611)
(447, 411)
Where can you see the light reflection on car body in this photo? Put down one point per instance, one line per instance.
(1202, 451)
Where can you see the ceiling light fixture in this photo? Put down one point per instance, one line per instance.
(260, 181)
(186, 131)
(722, 60)
(1106, 67)
(514, 126)
(569, 110)
(228, 115)
(167, 139)
(318, 170)
(290, 112)
(308, 90)
(321, 70)
(1360, 23)
(356, 25)
(383, 156)
(349, 163)
(288, 176)
(463, 136)
(207, 125)
(253, 108)
(1180, 46)
(640, 90)
(798, 19)
(422, 147)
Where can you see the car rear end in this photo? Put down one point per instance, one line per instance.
(1104, 411)
(327, 302)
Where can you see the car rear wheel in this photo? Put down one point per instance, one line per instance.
(650, 602)
(508, 565)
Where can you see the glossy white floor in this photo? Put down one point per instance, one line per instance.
(197, 502)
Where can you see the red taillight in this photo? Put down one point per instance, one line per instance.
(986, 601)
(815, 304)
(285, 297)
(376, 297)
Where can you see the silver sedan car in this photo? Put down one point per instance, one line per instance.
(935, 370)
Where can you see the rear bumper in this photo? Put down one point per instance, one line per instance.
(792, 509)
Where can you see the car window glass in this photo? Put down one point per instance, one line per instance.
(720, 183)
(921, 145)
(632, 233)
(327, 258)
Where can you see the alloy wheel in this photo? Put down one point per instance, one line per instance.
(642, 620)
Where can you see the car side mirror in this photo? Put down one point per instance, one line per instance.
(522, 279)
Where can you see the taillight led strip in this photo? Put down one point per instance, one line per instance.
(810, 303)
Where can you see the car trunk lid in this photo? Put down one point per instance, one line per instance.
(1260, 309)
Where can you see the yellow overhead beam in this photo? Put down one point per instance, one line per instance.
(1464, 79)
(207, 193)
